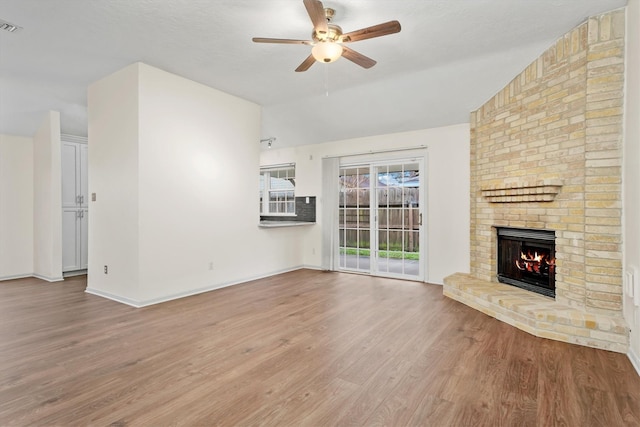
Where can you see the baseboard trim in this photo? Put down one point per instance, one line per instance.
(113, 297)
(37, 276)
(48, 279)
(159, 300)
(635, 359)
(16, 276)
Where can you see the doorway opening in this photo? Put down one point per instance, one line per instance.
(380, 219)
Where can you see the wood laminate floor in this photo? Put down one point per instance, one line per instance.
(303, 348)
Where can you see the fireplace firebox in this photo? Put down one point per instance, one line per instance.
(526, 259)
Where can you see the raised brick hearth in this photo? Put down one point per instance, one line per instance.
(537, 314)
(546, 153)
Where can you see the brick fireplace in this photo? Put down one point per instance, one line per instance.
(546, 154)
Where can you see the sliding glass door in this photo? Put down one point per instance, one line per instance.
(355, 219)
(380, 219)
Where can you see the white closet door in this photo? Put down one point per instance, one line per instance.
(83, 186)
(82, 238)
(69, 175)
(70, 248)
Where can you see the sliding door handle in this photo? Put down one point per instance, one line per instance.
(420, 222)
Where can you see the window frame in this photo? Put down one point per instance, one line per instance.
(265, 189)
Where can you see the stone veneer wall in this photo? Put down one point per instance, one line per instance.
(546, 153)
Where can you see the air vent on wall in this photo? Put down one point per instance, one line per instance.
(6, 26)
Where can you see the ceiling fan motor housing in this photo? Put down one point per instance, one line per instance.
(326, 48)
(334, 34)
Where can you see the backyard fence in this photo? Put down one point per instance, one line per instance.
(398, 218)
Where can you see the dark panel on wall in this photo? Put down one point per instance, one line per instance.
(305, 212)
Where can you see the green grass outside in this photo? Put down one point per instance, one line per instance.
(382, 254)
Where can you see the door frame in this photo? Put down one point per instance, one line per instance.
(373, 161)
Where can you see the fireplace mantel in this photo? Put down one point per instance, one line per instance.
(544, 190)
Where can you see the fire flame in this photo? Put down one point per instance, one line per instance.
(535, 263)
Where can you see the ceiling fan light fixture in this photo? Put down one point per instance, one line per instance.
(329, 42)
(326, 51)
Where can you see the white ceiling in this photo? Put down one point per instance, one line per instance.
(450, 57)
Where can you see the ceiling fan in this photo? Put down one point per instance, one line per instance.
(329, 41)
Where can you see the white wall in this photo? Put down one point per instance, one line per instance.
(16, 206)
(447, 193)
(113, 177)
(175, 168)
(47, 196)
(198, 172)
(631, 180)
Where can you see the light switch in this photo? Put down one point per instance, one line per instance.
(629, 283)
(632, 285)
(93, 197)
(636, 287)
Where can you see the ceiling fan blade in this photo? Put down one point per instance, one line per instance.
(306, 64)
(282, 41)
(387, 28)
(357, 58)
(315, 9)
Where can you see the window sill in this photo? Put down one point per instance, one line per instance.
(273, 224)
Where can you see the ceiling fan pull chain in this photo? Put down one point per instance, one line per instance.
(326, 79)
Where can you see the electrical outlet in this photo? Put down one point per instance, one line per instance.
(106, 270)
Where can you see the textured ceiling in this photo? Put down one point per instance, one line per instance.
(450, 56)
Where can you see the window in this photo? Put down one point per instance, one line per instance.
(277, 190)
